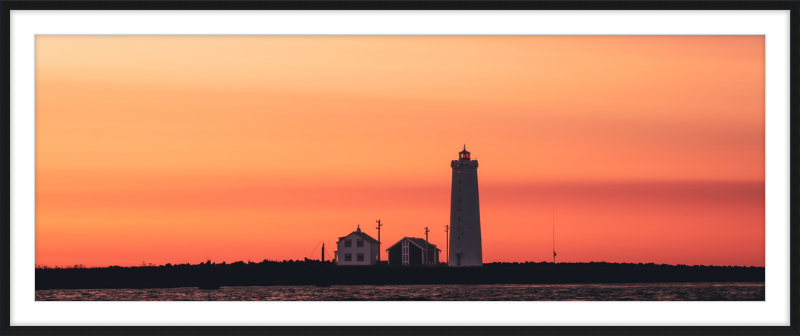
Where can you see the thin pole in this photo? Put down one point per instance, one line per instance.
(379, 238)
(447, 240)
(554, 234)
(426, 245)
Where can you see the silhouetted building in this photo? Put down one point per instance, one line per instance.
(410, 251)
(357, 248)
(465, 214)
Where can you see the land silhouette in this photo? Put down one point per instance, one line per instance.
(208, 275)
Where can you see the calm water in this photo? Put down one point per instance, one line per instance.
(719, 291)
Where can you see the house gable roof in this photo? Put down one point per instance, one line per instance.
(360, 234)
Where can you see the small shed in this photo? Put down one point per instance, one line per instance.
(411, 251)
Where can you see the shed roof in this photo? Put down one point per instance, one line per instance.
(419, 242)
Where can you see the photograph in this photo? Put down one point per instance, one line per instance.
(400, 167)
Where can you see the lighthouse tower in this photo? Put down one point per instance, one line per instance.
(465, 214)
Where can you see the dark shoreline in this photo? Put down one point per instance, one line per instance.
(322, 274)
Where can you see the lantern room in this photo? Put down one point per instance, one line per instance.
(464, 155)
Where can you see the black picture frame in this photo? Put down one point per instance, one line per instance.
(793, 6)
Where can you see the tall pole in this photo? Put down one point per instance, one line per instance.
(379, 238)
(323, 252)
(426, 245)
(447, 239)
(554, 235)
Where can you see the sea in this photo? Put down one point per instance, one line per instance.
(700, 291)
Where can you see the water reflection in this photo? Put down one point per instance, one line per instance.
(727, 291)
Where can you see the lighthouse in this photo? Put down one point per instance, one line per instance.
(465, 214)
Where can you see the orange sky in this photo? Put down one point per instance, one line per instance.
(172, 149)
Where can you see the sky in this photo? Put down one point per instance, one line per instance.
(175, 149)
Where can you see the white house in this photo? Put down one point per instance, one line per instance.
(357, 248)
